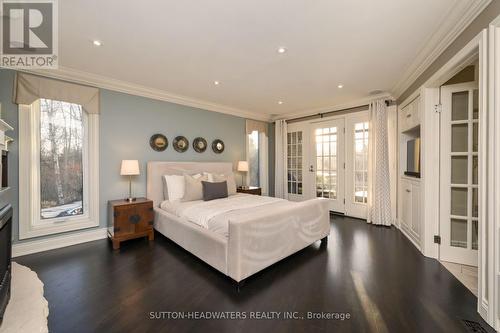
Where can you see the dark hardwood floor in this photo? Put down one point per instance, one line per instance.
(372, 273)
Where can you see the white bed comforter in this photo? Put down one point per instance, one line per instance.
(215, 214)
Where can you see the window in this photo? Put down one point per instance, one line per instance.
(361, 162)
(257, 160)
(253, 159)
(58, 168)
(294, 151)
(61, 159)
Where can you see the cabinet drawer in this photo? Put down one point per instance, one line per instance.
(410, 115)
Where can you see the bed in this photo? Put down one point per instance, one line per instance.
(239, 235)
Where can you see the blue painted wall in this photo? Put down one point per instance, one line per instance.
(126, 124)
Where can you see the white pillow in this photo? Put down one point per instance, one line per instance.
(193, 189)
(231, 183)
(175, 187)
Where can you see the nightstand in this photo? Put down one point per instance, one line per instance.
(128, 220)
(250, 190)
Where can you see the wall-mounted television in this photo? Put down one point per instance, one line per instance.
(413, 158)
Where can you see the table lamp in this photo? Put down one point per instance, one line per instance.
(130, 168)
(242, 167)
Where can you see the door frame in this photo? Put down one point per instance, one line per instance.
(430, 132)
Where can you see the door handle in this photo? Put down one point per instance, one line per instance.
(408, 191)
(311, 168)
(408, 115)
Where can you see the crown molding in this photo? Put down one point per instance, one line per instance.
(459, 18)
(77, 76)
(336, 107)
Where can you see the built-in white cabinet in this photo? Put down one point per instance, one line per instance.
(409, 194)
(409, 115)
(410, 219)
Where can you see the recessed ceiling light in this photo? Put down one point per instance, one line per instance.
(281, 50)
(340, 86)
(216, 83)
(97, 42)
(280, 102)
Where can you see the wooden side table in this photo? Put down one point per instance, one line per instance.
(129, 220)
(250, 190)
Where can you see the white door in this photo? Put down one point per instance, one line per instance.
(327, 162)
(459, 173)
(356, 171)
(297, 141)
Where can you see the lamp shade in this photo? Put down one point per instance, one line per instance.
(242, 166)
(130, 168)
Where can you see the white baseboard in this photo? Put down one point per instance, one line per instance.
(21, 249)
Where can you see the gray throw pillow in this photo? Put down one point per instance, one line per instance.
(213, 191)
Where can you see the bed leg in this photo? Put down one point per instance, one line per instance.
(324, 241)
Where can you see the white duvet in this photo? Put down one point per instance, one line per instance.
(215, 214)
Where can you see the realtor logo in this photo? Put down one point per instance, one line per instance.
(29, 34)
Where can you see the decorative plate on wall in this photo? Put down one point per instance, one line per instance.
(218, 146)
(158, 142)
(199, 145)
(181, 144)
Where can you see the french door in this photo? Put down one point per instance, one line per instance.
(297, 163)
(329, 159)
(356, 171)
(327, 162)
(459, 174)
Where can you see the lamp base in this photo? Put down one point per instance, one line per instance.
(130, 199)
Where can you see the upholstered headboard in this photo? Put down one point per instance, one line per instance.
(157, 169)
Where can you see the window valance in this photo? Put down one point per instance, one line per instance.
(28, 88)
(254, 125)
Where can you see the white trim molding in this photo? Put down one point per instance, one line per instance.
(103, 82)
(457, 20)
(333, 108)
(494, 172)
(41, 245)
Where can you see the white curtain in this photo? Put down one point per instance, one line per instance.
(379, 187)
(280, 181)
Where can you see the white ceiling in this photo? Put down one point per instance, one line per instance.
(177, 49)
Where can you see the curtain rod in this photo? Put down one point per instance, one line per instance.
(320, 115)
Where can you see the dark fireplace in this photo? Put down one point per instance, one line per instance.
(5, 256)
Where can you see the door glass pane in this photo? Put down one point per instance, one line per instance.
(475, 136)
(475, 104)
(459, 169)
(459, 138)
(294, 144)
(458, 233)
(326, 162)
(61, 159)
(458, 201)
(475, 168)
(475, 203)
(475, 231)
(360, 153)
(460, 105)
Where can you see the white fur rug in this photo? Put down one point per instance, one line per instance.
(27, 310)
